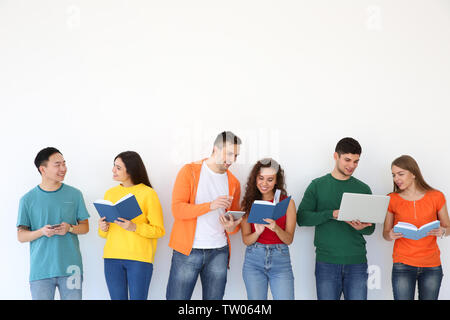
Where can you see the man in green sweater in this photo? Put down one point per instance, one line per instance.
(341, 263)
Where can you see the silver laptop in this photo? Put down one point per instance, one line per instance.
(363, 207)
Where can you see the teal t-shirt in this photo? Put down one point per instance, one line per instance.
(55, 256)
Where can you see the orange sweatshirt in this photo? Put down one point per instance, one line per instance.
(185, 211)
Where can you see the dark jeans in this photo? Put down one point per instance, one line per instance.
(210, 264)
(128, 275)
(405, 277)
(334, 279)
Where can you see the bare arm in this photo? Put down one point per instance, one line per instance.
(25, 235)
(388, 228)
(445, 220)
(81, 228)
(444, 229)
(249, 237)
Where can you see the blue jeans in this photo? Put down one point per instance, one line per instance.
(266, 264)
(45, 289)
(405, 277)
(210, 264)
(334, 279)
(128, 275)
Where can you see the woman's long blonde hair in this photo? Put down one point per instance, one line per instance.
(408, 163)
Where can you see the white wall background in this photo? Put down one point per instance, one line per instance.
(94, 78)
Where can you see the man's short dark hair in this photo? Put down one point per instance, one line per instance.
(348, 145)
(43, 156)
(226, 137)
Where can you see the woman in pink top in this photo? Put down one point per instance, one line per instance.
(267, 260)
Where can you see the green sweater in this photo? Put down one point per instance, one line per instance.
(335, 241)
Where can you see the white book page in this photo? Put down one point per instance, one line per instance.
(276, 198)
(105, 202)
(124, 198)
(426, 225)
(407, 225)
(264, 202)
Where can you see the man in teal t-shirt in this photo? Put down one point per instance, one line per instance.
(341, 263)
(51, 215)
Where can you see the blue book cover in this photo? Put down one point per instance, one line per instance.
(267, 210)
(126, 208)
(410, 231)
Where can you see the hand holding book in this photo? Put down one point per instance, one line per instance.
(126, 224)
(103, 224)
(261, 210)
(126, 208)
(395, 235)
(410, 231)
(438, 232)
(272, 225)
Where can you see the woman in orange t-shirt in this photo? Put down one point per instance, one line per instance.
(415, 261)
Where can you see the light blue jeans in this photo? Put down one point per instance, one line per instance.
(210, 264)
(45, 289)
(268, 264)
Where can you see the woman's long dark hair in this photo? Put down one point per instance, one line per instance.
(252, 192)
(135, 167)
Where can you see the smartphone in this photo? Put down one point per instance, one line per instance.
(55, 226)
(236, 214)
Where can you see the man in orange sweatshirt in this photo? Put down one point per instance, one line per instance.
(202, 194)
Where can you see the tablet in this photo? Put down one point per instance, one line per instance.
(236, 214)
(363, 207)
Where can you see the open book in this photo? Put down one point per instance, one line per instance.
(267, 210)
(126, 208)
(410, 231)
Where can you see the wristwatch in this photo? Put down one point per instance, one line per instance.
(70, 228)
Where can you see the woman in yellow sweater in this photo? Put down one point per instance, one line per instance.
(130, 245)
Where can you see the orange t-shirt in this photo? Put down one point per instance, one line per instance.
(423, 252)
